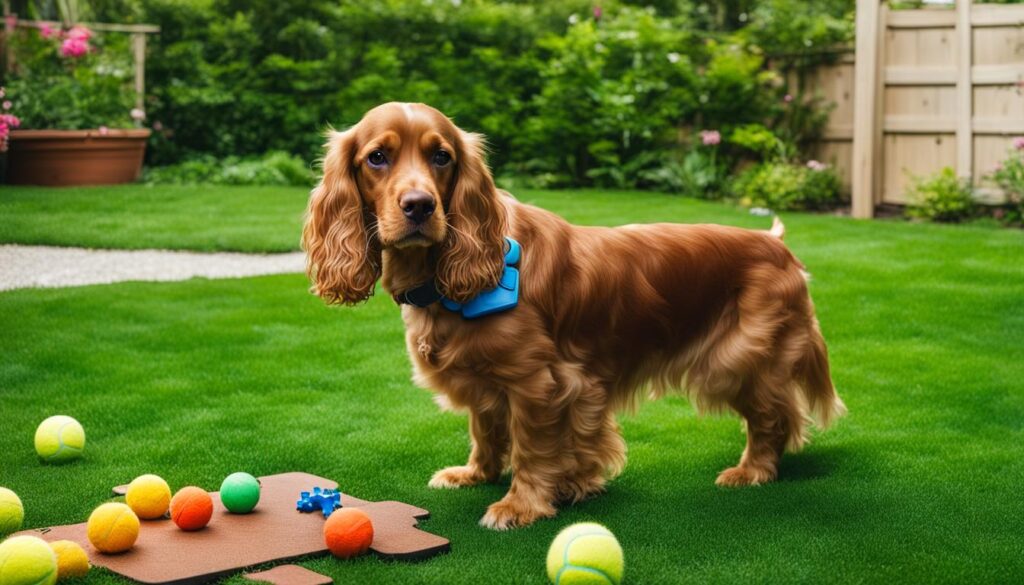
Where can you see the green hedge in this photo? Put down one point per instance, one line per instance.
(567, 93)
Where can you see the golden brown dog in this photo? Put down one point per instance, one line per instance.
(604, 314)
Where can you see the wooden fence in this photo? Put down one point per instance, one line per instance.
(925, 89)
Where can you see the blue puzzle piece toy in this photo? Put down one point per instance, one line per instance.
(326, 501)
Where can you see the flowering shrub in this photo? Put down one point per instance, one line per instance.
(8, 121)
(1009, 175)
(783, 185)
(71, 79)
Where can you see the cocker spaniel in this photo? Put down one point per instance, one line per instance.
(542, 330)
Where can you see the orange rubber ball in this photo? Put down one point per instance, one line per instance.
(191, 508)
(348, 532)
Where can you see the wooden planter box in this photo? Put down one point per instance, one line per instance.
(63, 158)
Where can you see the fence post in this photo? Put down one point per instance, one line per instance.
(139, 47)
(865, 112)
(964, 97)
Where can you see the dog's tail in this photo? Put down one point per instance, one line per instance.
(778, 230)
(824, 404)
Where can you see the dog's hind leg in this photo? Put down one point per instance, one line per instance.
(771, 419)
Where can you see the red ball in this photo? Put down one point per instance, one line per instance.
(348, 532)
(191, 508)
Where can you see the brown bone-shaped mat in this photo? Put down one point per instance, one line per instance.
(274, 531)
(289, 575)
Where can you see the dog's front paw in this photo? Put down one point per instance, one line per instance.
(743, 475)
(456, 477)
(512, 512)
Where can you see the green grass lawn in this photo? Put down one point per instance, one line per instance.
(921, 482)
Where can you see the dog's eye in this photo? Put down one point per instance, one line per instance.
(442, 158)
(377, 159)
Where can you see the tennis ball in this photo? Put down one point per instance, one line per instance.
(191, 508)
(148, 496)
(60, 438)
(348, 532)
(27, 560)
(113, 528)
(585, 554)
(71, 559)
(12, 513)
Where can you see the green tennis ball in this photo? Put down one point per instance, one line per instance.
(27, 560)
(12, 513)
(240, 492)
(585, 554)
(60, 438)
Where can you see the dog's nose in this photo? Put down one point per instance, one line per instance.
(417, 206)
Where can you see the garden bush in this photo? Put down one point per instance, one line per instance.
(781, 185)
(1009, 175)
(941, 197)
(273, 168)
(71, 80)
(569, 93)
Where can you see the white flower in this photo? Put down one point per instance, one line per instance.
(673, 57)
(138, 115)
(574, 18)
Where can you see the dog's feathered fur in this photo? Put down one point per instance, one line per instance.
(605, 314)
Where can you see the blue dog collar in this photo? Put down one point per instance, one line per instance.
(503, 297)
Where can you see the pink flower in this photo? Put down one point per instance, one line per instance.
(3, 91)
(710, 137)
(816, 166)
(158, 126)
(74, 48)
(7, 121)
(11, 20)
(597, 13)
(79, 33)
(138, 115)
(46, 31)
(787, 98)
(998, 167)
(104, 130)
(7, 104)
(1018, 143)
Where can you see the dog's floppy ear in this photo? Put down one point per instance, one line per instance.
(343, 260)
(472, 258)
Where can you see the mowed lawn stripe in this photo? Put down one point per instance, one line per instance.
(920, 483)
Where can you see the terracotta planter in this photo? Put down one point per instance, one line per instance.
(62, 158)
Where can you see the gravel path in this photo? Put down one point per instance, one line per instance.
(49, 267)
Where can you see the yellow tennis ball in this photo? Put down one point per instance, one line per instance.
(27, 560)
(12, 513)
(71, 559)
(148, 496)
(113, 528)
(585, 554)
(60, 438)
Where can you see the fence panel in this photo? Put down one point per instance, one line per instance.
(940, 87)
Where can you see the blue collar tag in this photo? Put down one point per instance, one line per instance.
(503, 297)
